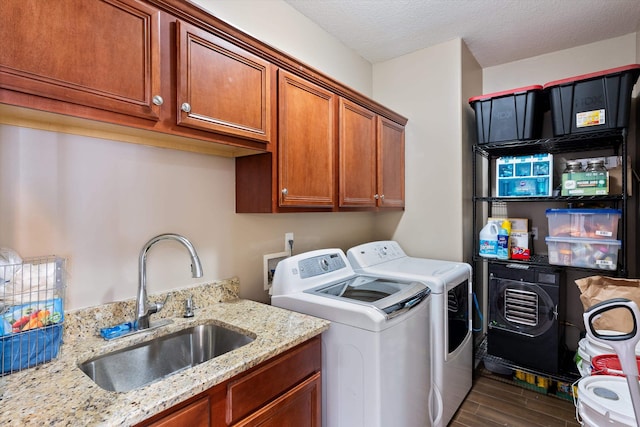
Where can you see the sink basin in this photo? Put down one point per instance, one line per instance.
(141, 364)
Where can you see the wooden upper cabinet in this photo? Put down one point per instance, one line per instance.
(357, 146)
(102, 54)
(306, 143)
(221, 87)
(390, 163)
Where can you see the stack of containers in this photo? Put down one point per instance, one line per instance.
(589, 350)
(587, 103)
(591, 102)
(584, 237)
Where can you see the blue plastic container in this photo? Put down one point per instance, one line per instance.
(30, 348)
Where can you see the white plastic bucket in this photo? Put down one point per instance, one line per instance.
(605, 401)
(588, 349)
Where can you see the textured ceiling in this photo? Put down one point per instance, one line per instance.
(496, 31)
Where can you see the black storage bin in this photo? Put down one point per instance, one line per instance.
(510, 115)
(592, 102)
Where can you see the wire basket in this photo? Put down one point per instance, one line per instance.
(31, 312)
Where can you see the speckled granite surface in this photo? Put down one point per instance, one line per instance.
(58, 393)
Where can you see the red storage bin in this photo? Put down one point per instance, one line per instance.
(590, 102)
(510, 115)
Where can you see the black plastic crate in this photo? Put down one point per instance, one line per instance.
(510, 115)
(592, 102)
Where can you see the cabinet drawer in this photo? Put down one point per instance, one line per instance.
(268, 382)
(194, 414)
(299, 407)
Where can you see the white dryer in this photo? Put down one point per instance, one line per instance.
(451, 322)
(373, 370)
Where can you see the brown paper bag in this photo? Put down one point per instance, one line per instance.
(596, 289)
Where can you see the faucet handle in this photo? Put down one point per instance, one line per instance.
(157, 306)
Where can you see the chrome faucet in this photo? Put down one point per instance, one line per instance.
(143, 308)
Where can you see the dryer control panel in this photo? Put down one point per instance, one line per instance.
(373, 253)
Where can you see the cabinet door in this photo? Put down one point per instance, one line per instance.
(299, 407)
(306, 143)
(221, 87)
(195, 414)
(357, 145)
(102, 54)
(390, 163)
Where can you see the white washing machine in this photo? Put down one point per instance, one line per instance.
(373, 370)
(451, 322)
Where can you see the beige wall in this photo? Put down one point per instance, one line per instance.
(96, 202)
(561, 64)
(426, 86)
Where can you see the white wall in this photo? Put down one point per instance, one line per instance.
(96, 202)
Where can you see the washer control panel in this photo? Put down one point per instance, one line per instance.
(321, 264)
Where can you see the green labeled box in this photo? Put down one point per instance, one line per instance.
(585, 183)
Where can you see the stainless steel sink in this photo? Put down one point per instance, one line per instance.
(141, 364)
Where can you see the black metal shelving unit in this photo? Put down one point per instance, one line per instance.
(612, 142)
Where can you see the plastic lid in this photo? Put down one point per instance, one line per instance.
(583, 241)
(594, 75)
(606, 211)
(505, 93)
(608, 364)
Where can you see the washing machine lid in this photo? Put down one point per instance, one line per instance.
(391, 297)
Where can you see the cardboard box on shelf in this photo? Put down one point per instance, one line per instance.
(585, 184)
(520, 248)
(614, 167)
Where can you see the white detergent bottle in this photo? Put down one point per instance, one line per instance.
(489, 241)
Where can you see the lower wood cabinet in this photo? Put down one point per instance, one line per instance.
(197, 413)
(296, 408)
(283, 391)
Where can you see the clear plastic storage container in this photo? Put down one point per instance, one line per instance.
(587, 253)
(584, 223)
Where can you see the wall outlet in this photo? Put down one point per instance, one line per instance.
(269, 263)
(288, 247)
(534, 233)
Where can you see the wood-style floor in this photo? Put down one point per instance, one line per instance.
(493, 403)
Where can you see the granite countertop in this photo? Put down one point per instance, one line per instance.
(58, 393)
